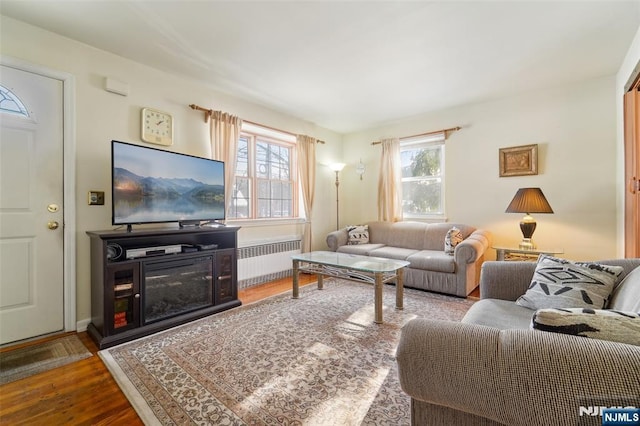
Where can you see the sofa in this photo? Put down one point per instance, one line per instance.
(423, 246)
(493, 368)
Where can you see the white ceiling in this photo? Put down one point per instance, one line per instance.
(350, 65)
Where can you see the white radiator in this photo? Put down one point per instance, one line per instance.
(264, 262)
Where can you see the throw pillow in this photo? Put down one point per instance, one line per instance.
(604, 324)
(560, 283)
(358, 234)
(626, 295)
(451, 240)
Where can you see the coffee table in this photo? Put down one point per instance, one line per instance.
(373, 270)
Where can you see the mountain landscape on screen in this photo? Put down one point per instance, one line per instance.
(159, 199)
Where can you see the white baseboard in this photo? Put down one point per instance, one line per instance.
(82, 325)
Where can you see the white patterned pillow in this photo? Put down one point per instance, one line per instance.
(358, 234)
(560, 283)
(451, 240)
(603, 324)
(626, 295)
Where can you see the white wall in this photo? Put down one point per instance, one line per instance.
(631, 61)
(102, 116)
(574, 128)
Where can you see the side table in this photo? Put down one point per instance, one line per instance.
(513, 253)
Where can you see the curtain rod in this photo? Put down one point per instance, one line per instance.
(209, 112)
(451, 129)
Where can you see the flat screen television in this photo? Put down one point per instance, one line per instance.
(150, 185)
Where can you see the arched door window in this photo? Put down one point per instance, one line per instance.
(11, 104)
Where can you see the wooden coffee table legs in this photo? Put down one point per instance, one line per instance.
(296, 286)
(377, 288)
(296, 283)
(378, 294)
(400, 289)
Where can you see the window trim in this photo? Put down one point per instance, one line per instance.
(426, 141)
(255, 133)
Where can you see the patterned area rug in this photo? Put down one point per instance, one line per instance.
(317, 360)
(24, 362)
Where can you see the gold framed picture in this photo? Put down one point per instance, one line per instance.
(519, 160)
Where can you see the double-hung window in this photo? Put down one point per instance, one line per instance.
(422, 162)
(265, 183)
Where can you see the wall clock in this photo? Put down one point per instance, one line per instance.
(157, 127)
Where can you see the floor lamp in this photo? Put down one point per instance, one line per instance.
(337, 167)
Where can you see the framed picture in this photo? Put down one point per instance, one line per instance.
(519, 160)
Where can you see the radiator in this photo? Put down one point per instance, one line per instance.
(261, 263)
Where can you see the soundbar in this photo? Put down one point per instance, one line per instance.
(153, 251)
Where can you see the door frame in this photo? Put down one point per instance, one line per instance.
(69, 183)
(630, 245)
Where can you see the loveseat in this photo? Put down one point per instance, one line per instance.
(423, 246)
(494, 369)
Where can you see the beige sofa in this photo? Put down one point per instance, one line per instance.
(493, 369)
(423, 245)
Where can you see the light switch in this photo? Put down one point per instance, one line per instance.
(96, 198)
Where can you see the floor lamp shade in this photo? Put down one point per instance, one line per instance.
(527, 201)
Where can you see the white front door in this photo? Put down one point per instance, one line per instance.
(31, 205)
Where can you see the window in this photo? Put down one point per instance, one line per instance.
(11, 104)
(422, 162)
(265, 183)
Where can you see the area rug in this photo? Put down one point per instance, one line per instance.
(316, 360)
(24, 362)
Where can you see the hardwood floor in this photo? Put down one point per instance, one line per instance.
(84, 392)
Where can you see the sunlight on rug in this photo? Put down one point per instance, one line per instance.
(24, 362)
(317, 360)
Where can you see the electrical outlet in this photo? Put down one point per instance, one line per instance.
(96, 198)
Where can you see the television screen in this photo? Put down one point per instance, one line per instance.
(152, 185)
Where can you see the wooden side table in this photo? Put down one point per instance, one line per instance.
(513, 253)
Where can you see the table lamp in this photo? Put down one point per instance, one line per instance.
(528, 200)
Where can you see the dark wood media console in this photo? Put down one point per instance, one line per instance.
(149, 280)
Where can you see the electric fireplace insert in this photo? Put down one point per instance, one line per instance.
(175, 287)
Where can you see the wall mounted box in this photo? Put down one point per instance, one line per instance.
(96, 198)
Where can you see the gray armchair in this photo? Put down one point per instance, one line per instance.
(492, 369)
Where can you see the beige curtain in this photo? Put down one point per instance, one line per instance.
(224, 133)
(307, 175)
(390, 182)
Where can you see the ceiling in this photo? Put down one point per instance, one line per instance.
(352, 65)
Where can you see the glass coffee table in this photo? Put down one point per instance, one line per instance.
(373, 270)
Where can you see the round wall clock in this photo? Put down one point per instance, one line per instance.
(157, 127)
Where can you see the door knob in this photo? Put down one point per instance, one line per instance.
(53, 225)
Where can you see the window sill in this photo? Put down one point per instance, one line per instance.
(247, 223)
(426, 219)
